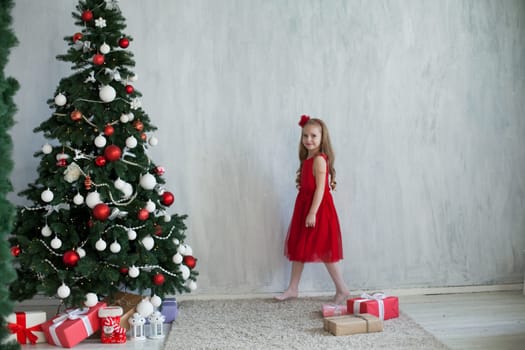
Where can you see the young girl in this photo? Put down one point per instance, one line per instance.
(314, 234)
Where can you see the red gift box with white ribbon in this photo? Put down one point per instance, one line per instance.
(69, 329)
(26, 327)
(377, 304)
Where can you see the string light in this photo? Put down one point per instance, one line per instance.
(50, 250)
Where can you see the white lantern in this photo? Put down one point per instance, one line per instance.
(136, 323)
(148, 181)
(156, 323)
(107, 93)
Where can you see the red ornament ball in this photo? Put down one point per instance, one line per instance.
(190, 261)
(76, 115)
(71, 258)
(15, 251)
(112, 153)
(129, 89)
(138, 125)
(123, 43)
(159, 170)
(167, 198)
(124, 270)
(109, 130)
(62, 162)
(77, 37)
(143, 214)
(87, 16)
(158, 230)
(90, 223)
(100, 161)
(101, 211)
(98, 59)
(158, 279)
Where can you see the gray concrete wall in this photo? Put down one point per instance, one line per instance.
(425, 105)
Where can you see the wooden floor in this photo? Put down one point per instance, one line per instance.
(488, 321)
(480, 321)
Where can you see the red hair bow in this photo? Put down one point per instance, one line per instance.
(304, 120)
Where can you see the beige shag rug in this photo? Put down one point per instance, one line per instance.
(293, 324)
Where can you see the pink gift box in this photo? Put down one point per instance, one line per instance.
(26, 327)
(69, 329)
(377, 304)
(334, 310)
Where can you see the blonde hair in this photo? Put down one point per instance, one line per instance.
(326, 148)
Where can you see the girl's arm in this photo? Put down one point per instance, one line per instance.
(319, 175)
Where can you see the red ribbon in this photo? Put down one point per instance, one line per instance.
(22, 332)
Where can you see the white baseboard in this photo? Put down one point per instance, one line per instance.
(40, 300)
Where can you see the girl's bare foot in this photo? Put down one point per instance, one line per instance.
(340, 297)
(287, 294)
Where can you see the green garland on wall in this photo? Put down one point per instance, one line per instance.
(8, 87)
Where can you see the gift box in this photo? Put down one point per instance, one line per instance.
(169, 310)
(112, 332)
(128, 302)
(26, 327)
(333, 310)
(354, 324)
(69, 329)
(377, 304)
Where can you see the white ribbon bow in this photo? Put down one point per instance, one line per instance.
(70, 315)
(366, 297)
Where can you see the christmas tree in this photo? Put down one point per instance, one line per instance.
(8, 87)
(100, 220)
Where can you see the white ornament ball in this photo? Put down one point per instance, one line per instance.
(119, 184)
(60, 99)
(92, 199)
(192, 285)
(175, 241)
(167, 218)
(46, 231)
(100, 245)
(104, 49)
(148, 242)
(63, 291)
(153, 141)
(107, 93)
(78, 199)
(124, 118)
(156, 301)
(56, 243)
(127, 190)
(145, 308)
(185, 270)
(91, 300)
(148, 181)
(177, 258)
(133, 272)
(81, 252)
(132, 234)
(133, 78)
(47, 148)
(188, 250)
(100, 141)
(114, 247)
(131, 142)
(47, 195)
(150, 206)
(182, 249)
(131, 116)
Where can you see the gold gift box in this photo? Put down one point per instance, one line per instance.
(353, 324)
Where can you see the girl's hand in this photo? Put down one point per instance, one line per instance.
(310, 220)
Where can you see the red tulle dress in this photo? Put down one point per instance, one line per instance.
(321, 243)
